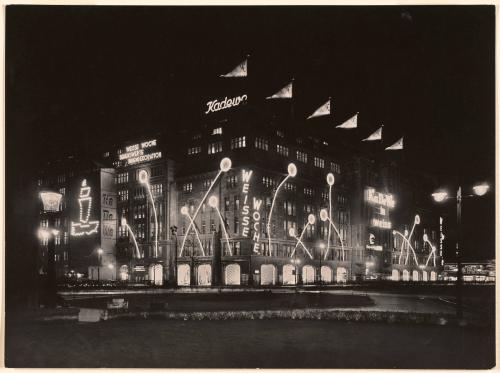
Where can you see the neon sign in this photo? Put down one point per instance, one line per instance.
(256, 205)
(216, 105)
(441, 239)
(376, 198)
(84, 226)
(135, 154)
(379, 223)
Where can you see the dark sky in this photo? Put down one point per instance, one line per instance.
(424, 72)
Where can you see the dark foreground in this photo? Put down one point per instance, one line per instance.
(248, 344)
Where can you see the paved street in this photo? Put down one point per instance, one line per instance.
(256, 343)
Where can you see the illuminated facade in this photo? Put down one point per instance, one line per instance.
(202, 217)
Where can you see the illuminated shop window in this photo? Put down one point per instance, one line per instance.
(319, 162)
(335, 167)
(231, 181)
(238, 142)
(122, 178)
(261, 143)
(308, 191)
(194, 150)
(290, 187)
(301, 156)
(217, 131)
(215, 147)
(187, 187)
(282, 150)
(123, 195)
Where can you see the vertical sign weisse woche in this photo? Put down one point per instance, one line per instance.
(108, 215)
(250, 210)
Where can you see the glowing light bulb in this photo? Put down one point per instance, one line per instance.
(225, 164)
(481, 189)
(417, 219)
(143, 176)
(111, 266)
(292, 170)
(330, 179)
(213, 201)
(184, 210)
(406, 232)
(99, 251)
(124, 221)
(291, 232)
(394, 232)
(323, 215)
(439, 196)
(311, 219)
(426, 237)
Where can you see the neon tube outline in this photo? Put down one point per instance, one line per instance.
(299, 240)
(195, 231)
(341, 240)
(433, 251)
(409, 244)
(271, 213)
(330, 180)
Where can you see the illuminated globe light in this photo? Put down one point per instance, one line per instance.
(323, 215)
(426, 238)
(124, 221)
(225, 164)
(417, 219)
(439, 196)
(330, 179)
(311, 219)
(394, 232)
(322, 246)
(184, 210)
(143, 176)
(406, 232)
(111, 266)
(213, 201)
(481, 189)
(292, 170)
(291, 232)
(99, 251)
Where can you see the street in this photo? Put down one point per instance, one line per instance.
(250, 344)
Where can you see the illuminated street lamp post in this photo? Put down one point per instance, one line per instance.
(51, 202)
(441, 196)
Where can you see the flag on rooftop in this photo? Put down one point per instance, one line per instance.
(285, 92)
(239, 71)
(350, 123)
(377, 135)
(321, 111)
(398, 145)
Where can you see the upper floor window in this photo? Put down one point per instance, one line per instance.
(335, 167)
(238, 142)
(206, 184)
(268, 182)
(187, 187)
(319, 162)
(156, 189)
(261, 143)
(231, 181)
(215, 147)
(301, 156)
(308, 191)
(194, 150)
(217, 131)
(123, 195)
(290, 187)
(280, 134)
(61, 178)
(282, 150)
(122, 177)
(156, 171)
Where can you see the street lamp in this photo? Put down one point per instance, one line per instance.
(51, 202)
(440, 196)
(99, 259)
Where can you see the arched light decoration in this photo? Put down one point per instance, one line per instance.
(51, 201)
(330, 179)
(225, 164)
(440, 196)
(481, 189)
(311, 219)
(292, 170)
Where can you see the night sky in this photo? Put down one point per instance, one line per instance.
(81, 77)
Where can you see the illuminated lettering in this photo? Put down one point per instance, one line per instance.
(376, 198)
(135, 154)
(216, 105)
(384, 224)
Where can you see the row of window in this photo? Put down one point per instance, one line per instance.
(123, 177)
